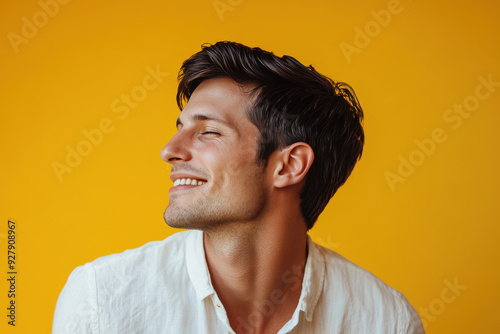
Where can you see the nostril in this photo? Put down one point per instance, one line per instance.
(177, 148)
(164, 155)
(175, 151)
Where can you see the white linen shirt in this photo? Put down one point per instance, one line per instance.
(165, 287)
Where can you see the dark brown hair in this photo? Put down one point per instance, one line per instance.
(293, 103)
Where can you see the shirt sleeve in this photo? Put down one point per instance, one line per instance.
(76, 306)
(412, 323)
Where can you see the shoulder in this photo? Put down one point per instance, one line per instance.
(156, 258)
(132, 266)
(165, 252)
(109, 292)
(353, 277)
(349, 287)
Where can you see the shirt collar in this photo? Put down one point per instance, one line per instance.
(312, 284)
(314, 277)
(197, 265)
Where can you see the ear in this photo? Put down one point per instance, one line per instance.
(292, 164)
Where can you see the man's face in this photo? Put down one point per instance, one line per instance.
(214, 151)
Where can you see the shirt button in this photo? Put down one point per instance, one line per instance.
(218, 305)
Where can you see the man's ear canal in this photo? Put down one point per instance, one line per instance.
(293, 164)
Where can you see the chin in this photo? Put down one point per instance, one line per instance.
(175, 221)
(184, 220)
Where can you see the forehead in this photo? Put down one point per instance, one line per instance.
(219, 98)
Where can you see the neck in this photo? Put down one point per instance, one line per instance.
(256, 268)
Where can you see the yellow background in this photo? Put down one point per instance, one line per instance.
(439, 225)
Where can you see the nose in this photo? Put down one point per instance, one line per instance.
(177, 149)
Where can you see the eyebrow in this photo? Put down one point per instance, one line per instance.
(202, 117)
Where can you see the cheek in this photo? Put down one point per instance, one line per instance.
(249, 150)
(233, 157)
(236, 173)
(229, 163)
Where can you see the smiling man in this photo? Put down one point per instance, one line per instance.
(263, 143)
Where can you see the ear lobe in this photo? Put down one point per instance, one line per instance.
(293, 164)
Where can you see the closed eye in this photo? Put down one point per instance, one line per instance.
(210, 133)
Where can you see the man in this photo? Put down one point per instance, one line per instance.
(263, 143)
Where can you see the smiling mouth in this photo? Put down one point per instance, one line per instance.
(188, 182)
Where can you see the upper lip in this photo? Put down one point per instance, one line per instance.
(177, 176)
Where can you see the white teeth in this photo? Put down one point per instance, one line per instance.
(188, 181)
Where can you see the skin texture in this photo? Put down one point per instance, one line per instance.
(254, 233)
